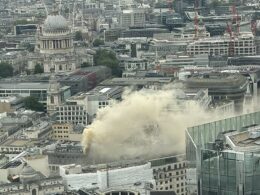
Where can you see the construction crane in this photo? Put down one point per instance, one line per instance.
(196, 19)
(254, 23)
(170, 4)
(235, 19)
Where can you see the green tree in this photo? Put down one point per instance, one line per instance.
(108, 58)
(78, 36)
(6, 69)
(38, 69)
(98, 42)
(32, 103)
(29, 47)
(22, 21)
(85, 64)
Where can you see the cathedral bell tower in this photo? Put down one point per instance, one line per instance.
(54, 95)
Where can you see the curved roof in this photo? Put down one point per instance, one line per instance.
(28, 171)
(55, 22)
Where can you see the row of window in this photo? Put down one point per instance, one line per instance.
(59, 127)
(60, 136)
(61, 108)
(72, 118)
(61, 132)
(72, 113)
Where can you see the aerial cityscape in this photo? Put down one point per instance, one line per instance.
(129, 97)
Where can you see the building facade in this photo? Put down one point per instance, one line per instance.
(242, 45)
(224, 156)
(170, 174)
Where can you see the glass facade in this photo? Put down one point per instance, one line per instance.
(223, 172)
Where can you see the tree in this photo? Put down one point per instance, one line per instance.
(38, 69)
(85, 64)
(22, 22)
(98, 42)
(30, 47)
(32, 103)
(6, 69)
(78, 36)
(108, 58)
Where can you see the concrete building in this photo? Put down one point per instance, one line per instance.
(166, 174)
(244, 45)
(108, 179)
(221, 86)
(15, 146)
(82, 108)
(144, 82)
(133, 64)
(65, 153)
(66, 132)
(132, 17)
(41, 130)
(170, 174)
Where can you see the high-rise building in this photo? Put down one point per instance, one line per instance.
(223, 156)
(131, 18)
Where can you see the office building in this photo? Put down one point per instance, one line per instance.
(66, 132)
(242, 45)
(223, 156)
(132, 18)
(82, 108)
(170, 174)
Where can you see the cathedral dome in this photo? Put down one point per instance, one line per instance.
(55, 23)
(27, 171)
(28, 174)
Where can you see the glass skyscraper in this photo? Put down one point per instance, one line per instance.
(225, 156)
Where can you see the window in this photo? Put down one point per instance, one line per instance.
(52, 100)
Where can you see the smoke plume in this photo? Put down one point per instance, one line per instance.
(146, 123)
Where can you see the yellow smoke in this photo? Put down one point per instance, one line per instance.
(145, 123)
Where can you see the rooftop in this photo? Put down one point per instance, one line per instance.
(248, 139)
(215, 80)
(18, 142)
(136, 81)
(31, 85)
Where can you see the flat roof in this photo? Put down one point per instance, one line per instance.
(17, 142)
(31, 85)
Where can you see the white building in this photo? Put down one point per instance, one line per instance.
(244, 44)
(170, 174)
(109, 179)
(132, 17)
(39, 131)
(82, 108)
(157, 175)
